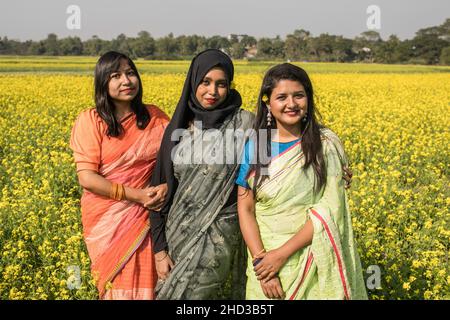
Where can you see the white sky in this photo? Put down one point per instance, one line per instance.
(27, 19)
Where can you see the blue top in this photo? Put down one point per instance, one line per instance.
(276, 149)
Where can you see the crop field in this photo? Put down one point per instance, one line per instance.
(394, 121)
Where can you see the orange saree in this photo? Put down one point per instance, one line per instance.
(117, 232)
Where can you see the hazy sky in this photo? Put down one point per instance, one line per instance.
(26, 19)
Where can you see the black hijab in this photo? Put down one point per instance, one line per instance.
(188, 108)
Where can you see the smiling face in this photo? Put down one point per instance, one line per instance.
(213, 89)
(123, 84)
(288, 103)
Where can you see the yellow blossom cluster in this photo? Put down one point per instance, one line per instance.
(395, 127)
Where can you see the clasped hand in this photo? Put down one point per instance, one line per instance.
(154, 197)
(269, 266)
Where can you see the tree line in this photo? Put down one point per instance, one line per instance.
(429, 46)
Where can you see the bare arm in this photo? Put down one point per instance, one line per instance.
(247, 221)
(252, 237)
(95, 183)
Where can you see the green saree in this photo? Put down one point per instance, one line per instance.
(202, 229)
(330, 267)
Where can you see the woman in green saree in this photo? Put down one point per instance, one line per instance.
(293, 209)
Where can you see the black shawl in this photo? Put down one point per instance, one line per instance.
(188, 109)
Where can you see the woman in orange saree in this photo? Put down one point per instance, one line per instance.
(115, 146)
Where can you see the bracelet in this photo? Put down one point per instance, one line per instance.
(162, 258)
(256, 255)
(117, 192)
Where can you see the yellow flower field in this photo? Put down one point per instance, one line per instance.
(395, 127)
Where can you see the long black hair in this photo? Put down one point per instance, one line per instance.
(310, 129)
(106, 65)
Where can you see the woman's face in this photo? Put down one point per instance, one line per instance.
(288, 103)
(123, 84)
(213, 89)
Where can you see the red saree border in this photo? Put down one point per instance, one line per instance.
(305, 272)
(252, 173)
(336, 252)
(121, 263)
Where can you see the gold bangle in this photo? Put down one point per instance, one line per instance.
(256, 255)
(124, 196)
(117, 192)
(120, 193)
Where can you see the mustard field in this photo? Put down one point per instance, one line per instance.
(394, 121)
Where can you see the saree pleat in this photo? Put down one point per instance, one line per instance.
(203, 236)
(330, 267)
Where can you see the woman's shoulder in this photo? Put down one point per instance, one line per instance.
(247, 117)
(332, 143)
(89, 116)
(329, 136)
(157, 114)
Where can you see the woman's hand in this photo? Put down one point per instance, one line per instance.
(269, 266)
(163, 264)
(272, 289)
(347, 176)
(157, 197)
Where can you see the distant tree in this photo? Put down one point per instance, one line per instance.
(248, 41)
(167, 46)
(4, 45)
(51, 45)
(388, 51)
(264, 47)
(71, 46)
(428, 44)
(36, 48)
(366, 44)
(218, 42)
(96, 46)
(237, 50)
(342, 49)
(296, 45)
(445, 56)
(233, 38)
(445, 30)
(278, 48)
(143, 45)
(123, 44)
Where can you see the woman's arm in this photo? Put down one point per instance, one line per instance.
(250, 231)
(95, 183)
(247, 221)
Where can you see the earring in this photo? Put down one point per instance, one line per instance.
(305, 118)
(269, 117)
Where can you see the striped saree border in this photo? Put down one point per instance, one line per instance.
(134, 246)
(336, 252)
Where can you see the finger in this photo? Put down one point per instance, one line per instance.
(271, 292)
(265, 291)
(269, 276)
(259, 267)
(263, 275)
(262, 265)
(280, 291)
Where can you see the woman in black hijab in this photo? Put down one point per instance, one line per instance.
(196, 237)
